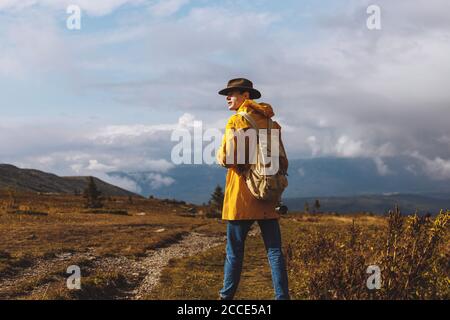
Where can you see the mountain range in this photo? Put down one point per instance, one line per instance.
(39, 181)
(347, 183)
(375, 203)
(340, 184)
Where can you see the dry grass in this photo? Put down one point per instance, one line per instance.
(412, 253)
(327, 258)
(28, 239)
(327, 255)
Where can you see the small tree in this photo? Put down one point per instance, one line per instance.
(316, 206)
(92, 195)
(216, 202)
(217, 198)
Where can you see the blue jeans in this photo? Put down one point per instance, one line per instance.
(236, 234)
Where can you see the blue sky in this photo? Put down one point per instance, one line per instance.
(54, 92)
(106, 97)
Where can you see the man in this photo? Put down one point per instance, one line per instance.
(241, 209)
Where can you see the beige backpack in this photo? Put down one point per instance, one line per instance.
(262, 184)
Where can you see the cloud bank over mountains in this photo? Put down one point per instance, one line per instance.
(107, 97)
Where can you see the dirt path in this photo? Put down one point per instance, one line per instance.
(190, 245)
(155, 262)
(39, 272)
(142, 273)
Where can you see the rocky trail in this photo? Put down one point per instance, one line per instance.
(142, 274)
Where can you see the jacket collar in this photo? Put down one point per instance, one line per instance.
(251, 106)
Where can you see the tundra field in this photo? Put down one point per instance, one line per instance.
(137, 248)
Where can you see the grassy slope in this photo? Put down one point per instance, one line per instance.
(25, 239)
(201, 277)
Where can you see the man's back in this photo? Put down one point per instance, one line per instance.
(239, 203)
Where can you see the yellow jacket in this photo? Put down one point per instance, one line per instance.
(239, 203)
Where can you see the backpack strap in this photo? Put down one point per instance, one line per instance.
(249, 119)
(252, 122)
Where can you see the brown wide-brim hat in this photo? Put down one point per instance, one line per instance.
(241, 84)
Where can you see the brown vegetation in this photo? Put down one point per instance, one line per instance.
(327, 255)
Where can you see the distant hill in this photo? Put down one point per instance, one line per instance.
(379, 204)
(315, 177)
(39, 181)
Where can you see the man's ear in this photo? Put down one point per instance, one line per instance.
(246, 95)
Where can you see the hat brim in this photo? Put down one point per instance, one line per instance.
(254, 94)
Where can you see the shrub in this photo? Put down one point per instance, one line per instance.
(412, 253)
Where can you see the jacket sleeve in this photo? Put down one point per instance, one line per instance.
(223, 155)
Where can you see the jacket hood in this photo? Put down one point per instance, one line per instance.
(263, 108)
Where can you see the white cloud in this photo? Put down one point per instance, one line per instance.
(312, 142)
(123, 135)
(96, 8)
(152, 179)
(74, 149)
(436, 168)
(412, 168)
(157, 180)
(347, 92)
(186, 120)
(121, 182)
(94, 165)
(164, 8)
(30, 45)
(382, 167)
(329, 145)
(347, 147)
